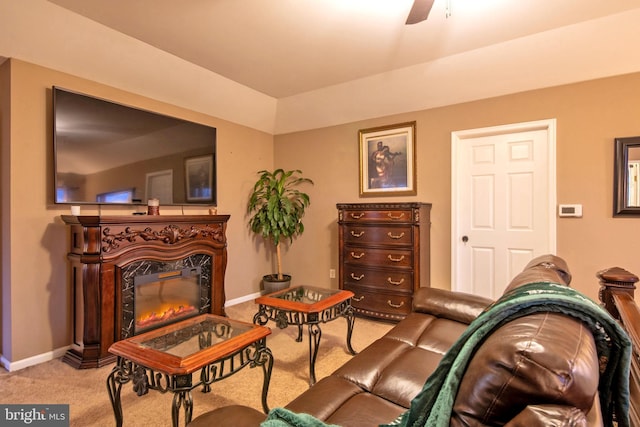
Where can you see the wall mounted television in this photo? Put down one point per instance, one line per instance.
(109, 153)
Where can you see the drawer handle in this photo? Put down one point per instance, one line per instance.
(358, 256)
(396, 236)
(395, 305)
(391, 282)
(354, 277)
(357, 216)
(360, 234)
(394, 259)
(390, 215)
(358, 299)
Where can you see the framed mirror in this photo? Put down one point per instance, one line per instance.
(626, 180)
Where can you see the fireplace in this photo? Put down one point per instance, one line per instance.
(163, 298)
(157, 293)
(131, 274)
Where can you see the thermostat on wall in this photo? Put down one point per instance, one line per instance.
(570, 210)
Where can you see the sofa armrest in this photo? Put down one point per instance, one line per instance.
(457, 306)
(541, 358)
(549, 415)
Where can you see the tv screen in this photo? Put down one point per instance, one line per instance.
(108, 153)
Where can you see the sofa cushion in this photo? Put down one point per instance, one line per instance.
(405, 377)
(396, 366)
(314, 401)
(229, 416)
(385, 376)
(338, 401)
(365, 409)
(457, 306)
(549, 415)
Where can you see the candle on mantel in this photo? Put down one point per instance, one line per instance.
(153, 207)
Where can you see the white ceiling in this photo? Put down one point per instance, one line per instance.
(284, 48)
(283, 66)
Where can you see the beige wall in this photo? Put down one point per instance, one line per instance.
(589, 116)
(35, 316)
(36, 313)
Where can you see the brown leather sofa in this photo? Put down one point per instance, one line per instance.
(538, 370)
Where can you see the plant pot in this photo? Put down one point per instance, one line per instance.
(271, 283)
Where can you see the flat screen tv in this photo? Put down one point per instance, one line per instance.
(108, 153)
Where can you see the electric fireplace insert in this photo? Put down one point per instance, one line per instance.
(157, 293)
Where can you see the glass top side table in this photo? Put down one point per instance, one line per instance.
(164, 359)
(307, 305)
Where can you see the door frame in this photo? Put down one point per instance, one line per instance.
(459, 137)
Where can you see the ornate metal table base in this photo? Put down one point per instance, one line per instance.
(145, 379)
(283, 318)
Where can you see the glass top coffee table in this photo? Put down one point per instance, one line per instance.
(307, 305)
(165, 359)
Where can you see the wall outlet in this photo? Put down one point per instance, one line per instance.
(332, 273)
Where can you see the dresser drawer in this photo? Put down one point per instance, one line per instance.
(378, 216)
(378, 304)
(389, 235)
(393, 280)
(401, 258)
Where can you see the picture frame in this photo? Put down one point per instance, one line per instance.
(387, 160)
(198, 174)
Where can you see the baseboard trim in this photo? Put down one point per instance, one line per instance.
(33, 360)
(240, 300)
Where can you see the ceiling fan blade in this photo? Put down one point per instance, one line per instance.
(419, 11)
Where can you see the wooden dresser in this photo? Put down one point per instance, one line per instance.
(383, 255)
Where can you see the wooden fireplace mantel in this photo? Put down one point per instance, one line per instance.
(101, 245)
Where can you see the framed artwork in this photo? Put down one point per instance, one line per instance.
(387, 160)
(199, 178)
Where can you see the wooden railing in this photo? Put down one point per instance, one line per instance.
(617, 295)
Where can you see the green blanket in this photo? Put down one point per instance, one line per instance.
(281, 417)
(433, 405)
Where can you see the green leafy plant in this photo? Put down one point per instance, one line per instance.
(277, 207)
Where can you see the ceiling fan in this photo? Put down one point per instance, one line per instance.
(419, 11)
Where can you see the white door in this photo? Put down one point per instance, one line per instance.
(503, 203)
(160, 186)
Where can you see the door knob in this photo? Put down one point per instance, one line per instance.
(465, 239)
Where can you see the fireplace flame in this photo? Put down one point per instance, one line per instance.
(164, 313)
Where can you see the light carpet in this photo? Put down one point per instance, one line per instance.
(86, 393)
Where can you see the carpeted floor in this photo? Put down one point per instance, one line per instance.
(86, 393)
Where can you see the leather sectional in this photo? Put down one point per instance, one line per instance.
(540, 369)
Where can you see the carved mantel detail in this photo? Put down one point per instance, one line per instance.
(171, 234)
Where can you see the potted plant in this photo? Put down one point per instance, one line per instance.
(277, 208)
